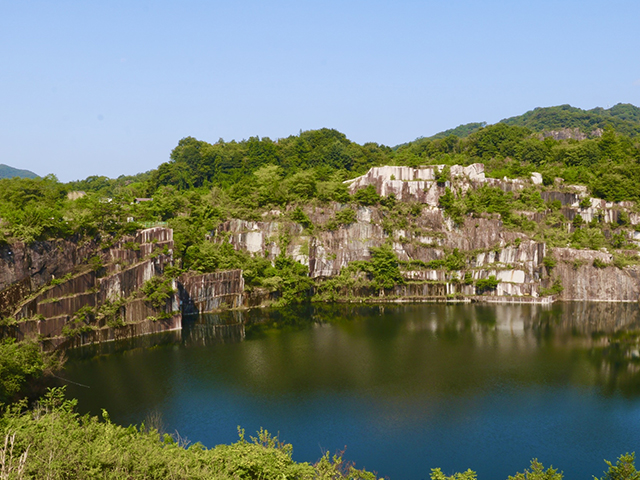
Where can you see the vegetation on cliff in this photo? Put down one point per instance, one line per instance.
(205, 184)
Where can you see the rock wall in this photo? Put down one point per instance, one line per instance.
(51, 313)
(515, 259)
(582, 281)
(41, 262)
(211, 292)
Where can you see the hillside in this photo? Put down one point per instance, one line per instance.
(9, 172)
(460, 131)
(624, 118)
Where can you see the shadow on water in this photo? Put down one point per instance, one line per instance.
(450, 385)
(608, 334)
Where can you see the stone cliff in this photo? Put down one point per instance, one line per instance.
(71, 293)
(419, 236)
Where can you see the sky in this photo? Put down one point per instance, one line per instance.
(109, 87)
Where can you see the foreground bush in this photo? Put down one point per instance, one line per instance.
(53, 441)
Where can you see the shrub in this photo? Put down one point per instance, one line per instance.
(549, 261)
(624, 469)
(599, 263)
(300, 217)
(537, 472)
(367, 196)
(346, 216)
(487, 284)
(157, 291)
(556, 289)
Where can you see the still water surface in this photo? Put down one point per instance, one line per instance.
(404, 388)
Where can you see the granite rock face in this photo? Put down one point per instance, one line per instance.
(44, 286)
(516, 261)
(66, 312)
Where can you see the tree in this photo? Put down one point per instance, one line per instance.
(537, 472)
(624, 469)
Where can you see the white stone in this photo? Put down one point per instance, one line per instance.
(536, 178)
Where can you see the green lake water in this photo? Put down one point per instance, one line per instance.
(405, 388)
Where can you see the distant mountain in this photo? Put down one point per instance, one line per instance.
(9, 172)
(623, 117)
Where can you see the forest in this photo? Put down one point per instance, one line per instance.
(204, 184)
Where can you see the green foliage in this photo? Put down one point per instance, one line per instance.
(346, 216)
(291, 279)
(537, 472)
(436, 474)
(487, 284)
(597, 263)
(158, 291)
(556, 289)
(452, 206)
(588, 237)
(585, 202)
(21, 363)
(56, 442)
(300, 217)
(367, 196)
(455, 260)
(624, 117)
(624, 469)
(443, 176)
(549, 261)
(460, 130)
(623, 260)
(383, 267)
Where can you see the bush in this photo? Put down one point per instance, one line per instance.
(367, 196)
(385, 267)
(537, 472)
(487, 284)
(300, 217)
(549, 261)
(556, 289)
(346, 216)
(157, 291)
(20, 362)
(55, 442)
(597, 263)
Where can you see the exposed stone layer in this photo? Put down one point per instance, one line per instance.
(211, 292)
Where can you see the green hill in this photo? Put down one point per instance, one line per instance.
(460, 131)
(9, 172)
(624, 118)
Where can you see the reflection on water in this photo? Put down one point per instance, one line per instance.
(406, 387)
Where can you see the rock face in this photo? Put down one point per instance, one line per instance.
(73, 310)
(582, 281)
(211, 292)
(41, 261)
(517, 262)
(48, 290)
(415, 184)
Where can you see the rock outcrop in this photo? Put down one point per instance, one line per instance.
(82, 306)
(490, 249)
(50, 291)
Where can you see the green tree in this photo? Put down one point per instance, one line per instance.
(624, 469)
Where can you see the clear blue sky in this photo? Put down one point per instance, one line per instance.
(110, 87)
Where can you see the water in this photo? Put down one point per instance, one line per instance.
(404, 388)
